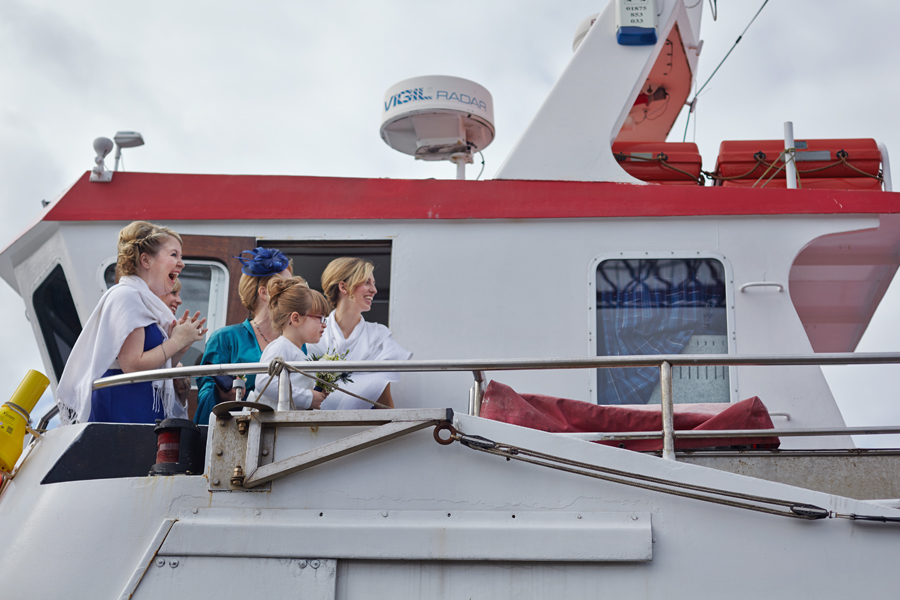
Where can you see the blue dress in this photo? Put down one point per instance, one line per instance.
(130, 403)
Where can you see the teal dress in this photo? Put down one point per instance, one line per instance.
(231, 344)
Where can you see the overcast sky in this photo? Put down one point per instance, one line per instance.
(295, 88)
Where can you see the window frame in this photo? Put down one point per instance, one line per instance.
(661, 255)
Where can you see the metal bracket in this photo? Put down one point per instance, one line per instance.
(388, 424)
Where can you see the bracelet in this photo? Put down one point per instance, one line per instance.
(165, 358)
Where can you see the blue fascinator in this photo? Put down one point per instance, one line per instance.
(263, 262)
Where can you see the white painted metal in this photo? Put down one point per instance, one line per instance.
(790, 165)
(668, 412)
(886, 168)
(586, 108)
(147, 559)
(416, 483)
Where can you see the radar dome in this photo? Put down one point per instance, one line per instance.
(438, 117)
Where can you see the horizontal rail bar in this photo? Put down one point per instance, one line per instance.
(604, 362)
(731, 433)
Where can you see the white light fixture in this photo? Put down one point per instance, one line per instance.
(126, 139)
(100, 174)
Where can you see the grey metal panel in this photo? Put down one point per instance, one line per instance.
(526, 535)
(238, 577)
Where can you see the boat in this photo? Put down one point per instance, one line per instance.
(522, 288)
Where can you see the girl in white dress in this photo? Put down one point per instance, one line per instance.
(350, 286)
(299, 314)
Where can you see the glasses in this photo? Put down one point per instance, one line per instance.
(321, 318)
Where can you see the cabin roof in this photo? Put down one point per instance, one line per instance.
(160, 196)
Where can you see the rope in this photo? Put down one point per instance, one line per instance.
(278, 365)
(795, 510)
(760, 157)
(661, 159)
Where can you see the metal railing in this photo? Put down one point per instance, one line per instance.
(664, 362)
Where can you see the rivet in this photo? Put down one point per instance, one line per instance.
(302, 564)
(218, 453)
(265, 452)
(160, 562)
(384, 513)
(173, 563)
(634, 517)
(221, 422)
(215, 482)
(579, 516)
(314, 564)
(256, 512)
(194, 510)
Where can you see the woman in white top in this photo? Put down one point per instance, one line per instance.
(299, 314)
(350, 286)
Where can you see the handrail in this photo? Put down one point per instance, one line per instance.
(703, 434)
(664, 362)
(528, 364)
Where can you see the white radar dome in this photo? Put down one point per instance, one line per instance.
(437, 117)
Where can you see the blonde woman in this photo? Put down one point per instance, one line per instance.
(299, 314)
(243, 342)
(349, 284)
(130, 330)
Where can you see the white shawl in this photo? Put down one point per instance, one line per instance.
(124, 307)
(368, 341)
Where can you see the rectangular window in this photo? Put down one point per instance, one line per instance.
(311, 257)
(661, 306)
(57, 317)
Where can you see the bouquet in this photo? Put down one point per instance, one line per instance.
(331, 378)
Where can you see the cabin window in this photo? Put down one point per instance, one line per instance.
(57, 318)
(204, 288)
(311, 257)
(661, 306)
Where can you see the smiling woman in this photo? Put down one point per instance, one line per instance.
(131, 329)
(349, 284)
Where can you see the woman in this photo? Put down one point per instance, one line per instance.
(349, 285)
(131, 330)
(244, 342)
(299, 314)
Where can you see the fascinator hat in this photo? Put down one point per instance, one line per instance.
(263, 262)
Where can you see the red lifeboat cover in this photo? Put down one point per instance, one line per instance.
(738, 158)
(807, 183)
(684, 156)
(559, 415)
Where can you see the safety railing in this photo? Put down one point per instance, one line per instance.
(664, 362)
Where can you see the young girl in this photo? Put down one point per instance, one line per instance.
(299, 314)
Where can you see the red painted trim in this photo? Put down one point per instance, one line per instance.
(172, 197)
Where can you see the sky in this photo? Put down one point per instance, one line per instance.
(296, 88)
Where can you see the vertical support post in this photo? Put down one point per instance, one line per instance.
(885, 168)
(284, 391)
(668, 411)
(476, 394)
(790, 165)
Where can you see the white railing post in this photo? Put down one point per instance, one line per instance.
(668, 412)
(476, 394)
(284, 391)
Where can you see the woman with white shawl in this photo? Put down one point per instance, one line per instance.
(350, 286)
(130, 330)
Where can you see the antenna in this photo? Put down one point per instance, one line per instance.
(438, 117)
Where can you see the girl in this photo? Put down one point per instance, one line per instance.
(131, 330)
(243, 342)
(350, 286)
(299, 313)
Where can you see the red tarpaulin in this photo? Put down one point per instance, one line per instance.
(559, 415)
